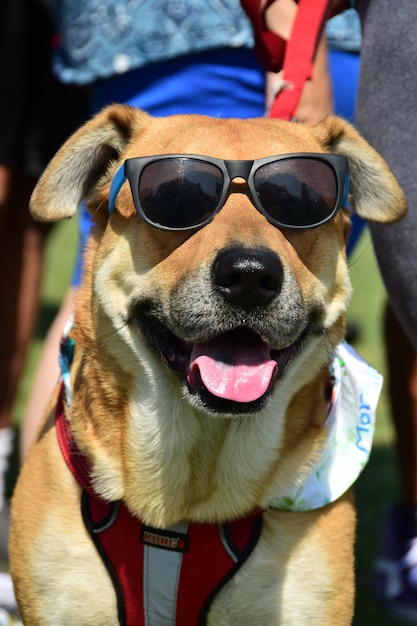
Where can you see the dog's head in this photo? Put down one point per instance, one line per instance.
(235, 273)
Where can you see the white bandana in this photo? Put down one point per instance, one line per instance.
(350, 428)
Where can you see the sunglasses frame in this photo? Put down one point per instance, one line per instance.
(132, 168)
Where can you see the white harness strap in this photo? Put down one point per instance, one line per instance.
(161, 580)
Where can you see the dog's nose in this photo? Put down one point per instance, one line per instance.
(248, 278)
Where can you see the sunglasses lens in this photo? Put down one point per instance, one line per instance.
(297, 192)
(180, 192)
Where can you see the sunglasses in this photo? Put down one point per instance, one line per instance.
(184, 191)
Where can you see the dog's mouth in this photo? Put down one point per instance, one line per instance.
(233, 372)
(234, 366)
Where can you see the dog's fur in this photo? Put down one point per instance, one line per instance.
(151, 440)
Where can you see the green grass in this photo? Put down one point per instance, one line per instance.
(378, 484)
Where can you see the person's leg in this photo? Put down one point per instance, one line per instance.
(386, 117)
(402, 388)
(46, 377)
(21, 254)
(395, 582)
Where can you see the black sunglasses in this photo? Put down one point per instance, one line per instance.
(185, 191)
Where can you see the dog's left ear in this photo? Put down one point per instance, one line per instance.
(376, 194)
(83, 160)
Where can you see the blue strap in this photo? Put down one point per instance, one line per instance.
(116, 184)
(346, 191)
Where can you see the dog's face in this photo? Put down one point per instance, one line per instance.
(201, 359)
(239, 311)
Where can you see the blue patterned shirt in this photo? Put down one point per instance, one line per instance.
(101, 39)
(344, 31)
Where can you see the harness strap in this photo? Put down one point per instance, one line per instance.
(168, 576)
(160, 576)
(75, 460)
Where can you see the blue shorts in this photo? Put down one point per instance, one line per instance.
(220, 83)
(344, 71)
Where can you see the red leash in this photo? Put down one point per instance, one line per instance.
(295, 57)
(299, 55)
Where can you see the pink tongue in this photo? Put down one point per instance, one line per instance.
(234, 366)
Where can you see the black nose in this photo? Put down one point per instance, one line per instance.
(248, 278)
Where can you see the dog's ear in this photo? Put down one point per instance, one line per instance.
(376, 194)
(83, 160)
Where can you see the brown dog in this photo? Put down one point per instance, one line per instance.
(199, 388)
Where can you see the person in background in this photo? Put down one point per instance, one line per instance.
(31, 131)
(385, 115)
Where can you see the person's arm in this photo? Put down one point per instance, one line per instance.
(316, 101)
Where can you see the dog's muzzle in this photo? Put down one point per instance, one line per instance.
(231, 367)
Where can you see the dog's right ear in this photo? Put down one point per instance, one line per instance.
(375, 192)
(83, 160)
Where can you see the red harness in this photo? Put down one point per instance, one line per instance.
(160, 576)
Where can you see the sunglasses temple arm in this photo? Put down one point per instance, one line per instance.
(116, 184)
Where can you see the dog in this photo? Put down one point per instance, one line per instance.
(199, 375)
